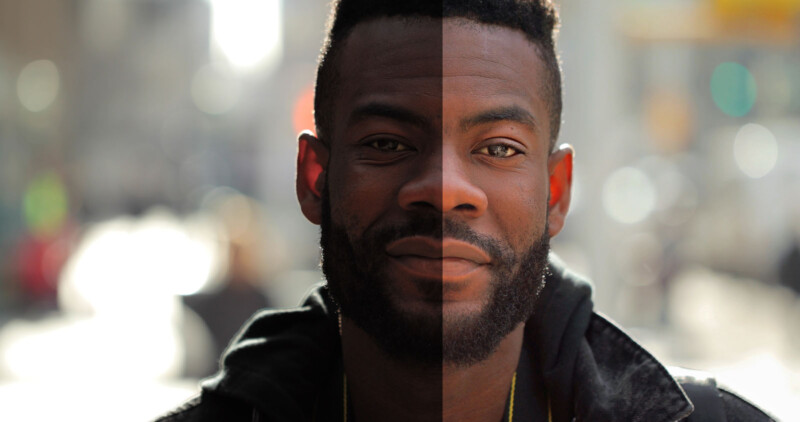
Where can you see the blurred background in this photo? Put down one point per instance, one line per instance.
(147, 201)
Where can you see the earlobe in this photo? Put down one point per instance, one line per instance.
(312, 161)
(559, 165)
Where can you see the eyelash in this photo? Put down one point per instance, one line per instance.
(373, 143)
(485, 150)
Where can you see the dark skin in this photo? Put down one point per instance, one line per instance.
(462, 128)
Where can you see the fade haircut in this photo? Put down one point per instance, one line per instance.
(537, 19)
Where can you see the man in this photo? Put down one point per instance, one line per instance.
(437, 184)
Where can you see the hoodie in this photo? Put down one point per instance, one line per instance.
(285, 365)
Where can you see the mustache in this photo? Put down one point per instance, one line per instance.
(437, 227)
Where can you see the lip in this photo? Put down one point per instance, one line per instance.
(446, 250)
(449, 261)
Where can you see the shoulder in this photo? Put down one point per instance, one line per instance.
(210, 407)
(622, 360)
(278, 359)
(714, 403)
(738, 409)
(186, 412)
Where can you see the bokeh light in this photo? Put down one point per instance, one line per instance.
(628, 195)
(157, 257)
(248, 32)
(45, 204)
(38, 85)
(755, 150)
(733, 89)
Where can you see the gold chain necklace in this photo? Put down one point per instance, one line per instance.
(510, 401)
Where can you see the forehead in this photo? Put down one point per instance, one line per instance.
(439, 61)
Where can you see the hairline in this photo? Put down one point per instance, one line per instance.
(550, 65)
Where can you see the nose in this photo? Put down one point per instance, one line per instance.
(443, 184)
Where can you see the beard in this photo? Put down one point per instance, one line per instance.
(355, 269)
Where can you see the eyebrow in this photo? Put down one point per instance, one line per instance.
(387, 111)
(512, 113)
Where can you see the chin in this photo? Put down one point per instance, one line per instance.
(458, 312)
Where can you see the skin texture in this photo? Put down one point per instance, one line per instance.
(471, 145)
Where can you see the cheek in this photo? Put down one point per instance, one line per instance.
(521, 211)
(357, 199)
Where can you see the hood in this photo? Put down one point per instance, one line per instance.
(281, 358)
(591, 369)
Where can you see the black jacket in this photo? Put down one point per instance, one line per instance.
(284, 364)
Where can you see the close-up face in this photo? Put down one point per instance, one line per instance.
(436, 190)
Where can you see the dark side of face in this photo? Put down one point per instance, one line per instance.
(434, 210)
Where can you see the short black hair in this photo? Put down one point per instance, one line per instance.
(537, 19)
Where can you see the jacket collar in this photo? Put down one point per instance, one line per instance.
(592, 370)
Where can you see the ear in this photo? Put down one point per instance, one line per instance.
(312, 161)
(559, 165)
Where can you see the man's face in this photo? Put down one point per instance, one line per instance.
(435, 208)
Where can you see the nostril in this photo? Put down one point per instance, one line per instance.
(422, 205)
(466, 207)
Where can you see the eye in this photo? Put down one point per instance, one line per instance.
(388, 145)
(499, 151)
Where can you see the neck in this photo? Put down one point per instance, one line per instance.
(385, 389)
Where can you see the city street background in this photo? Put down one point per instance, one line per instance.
(147, 203)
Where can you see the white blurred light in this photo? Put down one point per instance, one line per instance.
(755, 150)
(123, 264)
(79, 399)
(118, 292)
(215, 90)
(92, 348)
(37, 85)
(629, 195)
(248, 32)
